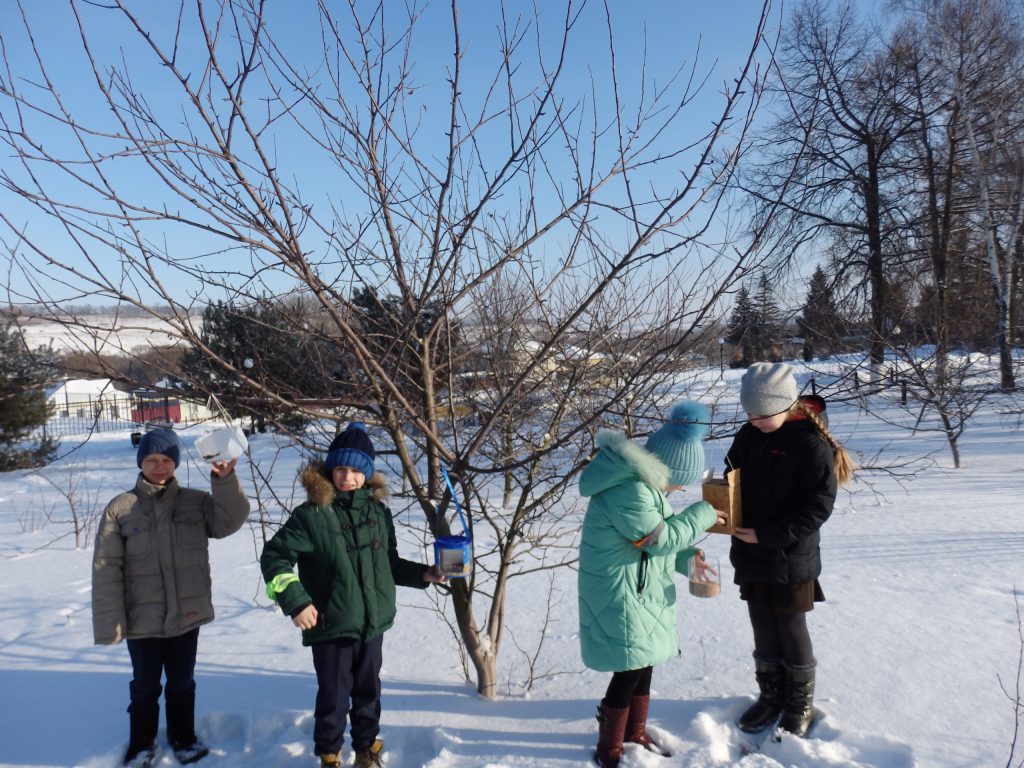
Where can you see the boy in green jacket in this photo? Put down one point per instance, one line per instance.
(343, 599)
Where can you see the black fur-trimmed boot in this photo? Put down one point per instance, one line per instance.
(770, 676)
(798, 700)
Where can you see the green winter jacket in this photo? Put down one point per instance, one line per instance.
(632, 544)
(348, 563)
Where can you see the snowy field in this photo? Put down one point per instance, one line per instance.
(105, 334)
(918, 643)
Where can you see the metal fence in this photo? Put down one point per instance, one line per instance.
(121, 412)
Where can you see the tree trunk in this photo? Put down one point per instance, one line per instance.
(478, 647)
(508, 438)
(951, 438)
(876, 270)
(1000, 280)
(1006, 379)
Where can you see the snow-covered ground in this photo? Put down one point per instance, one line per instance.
(916, 643)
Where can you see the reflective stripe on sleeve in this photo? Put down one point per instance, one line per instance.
(279, 584)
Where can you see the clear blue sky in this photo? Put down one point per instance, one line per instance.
(674, 33)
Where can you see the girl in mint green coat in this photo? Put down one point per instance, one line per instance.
(631, 547)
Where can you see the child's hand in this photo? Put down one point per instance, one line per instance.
(702, 571)
(748, 535)
(306, 618)
(223, 468)
(723, 517)
(433, 575)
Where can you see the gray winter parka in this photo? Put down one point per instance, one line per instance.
(151, 560)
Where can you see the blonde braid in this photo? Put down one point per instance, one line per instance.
(843, 465)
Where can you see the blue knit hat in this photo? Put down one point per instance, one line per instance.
(679, 443)
(352, 448)
(162, 441)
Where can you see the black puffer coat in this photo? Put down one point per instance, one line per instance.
(787, 487)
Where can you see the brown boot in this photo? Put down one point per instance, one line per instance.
(610, 733)
(370, 757)
(331, 761)
(636, 726)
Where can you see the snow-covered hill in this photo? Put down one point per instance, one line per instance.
(105, 334)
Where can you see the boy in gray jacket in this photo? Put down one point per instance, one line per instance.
(151, 587)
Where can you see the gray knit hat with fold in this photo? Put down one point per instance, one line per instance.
(768, 388)
(680, 442)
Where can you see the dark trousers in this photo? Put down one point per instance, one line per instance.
(175, 658)
(779, 635)
(625, 685)
(347, 670)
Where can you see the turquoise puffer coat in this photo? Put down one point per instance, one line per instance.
(627, 595)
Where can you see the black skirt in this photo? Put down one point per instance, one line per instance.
(784, 598)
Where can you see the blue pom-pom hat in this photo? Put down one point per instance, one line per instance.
(680, 442)
(352, 448)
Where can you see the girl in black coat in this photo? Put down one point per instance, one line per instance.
(791, 466)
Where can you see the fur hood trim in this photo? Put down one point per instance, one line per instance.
(650, 468)
(316, 479)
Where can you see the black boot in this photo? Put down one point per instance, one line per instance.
(142, 724)
(799, 714)
(611, 731)
(181, 728)
(768, 707)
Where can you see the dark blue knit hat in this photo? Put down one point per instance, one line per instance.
(352, 448)
(162, 441)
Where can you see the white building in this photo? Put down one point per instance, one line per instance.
(88, 398)
(95, 405)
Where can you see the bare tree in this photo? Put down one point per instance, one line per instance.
(829, 153)
(949, 50)
(82, 503)
(963, 168)
(983, 45)
(1015, 692)
(550, 221)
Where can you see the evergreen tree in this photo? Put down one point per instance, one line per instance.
(767, 328)
(274, 344)
(741, 331)
(396, 332)
(23, 406)
(820, 322)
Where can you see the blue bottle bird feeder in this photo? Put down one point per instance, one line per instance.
(453, 555)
